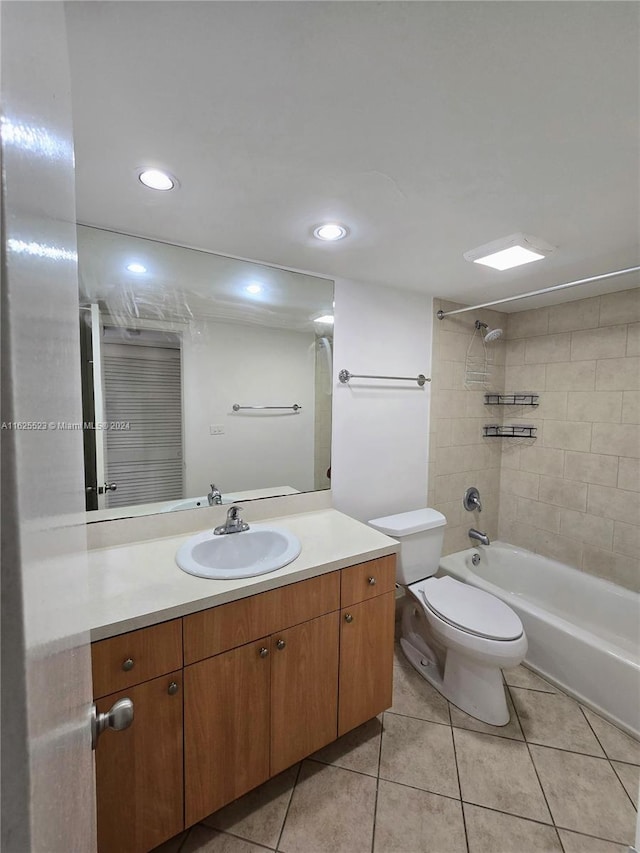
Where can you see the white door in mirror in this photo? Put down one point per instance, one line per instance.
(256, 551)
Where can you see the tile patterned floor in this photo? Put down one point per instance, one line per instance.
(427, 778)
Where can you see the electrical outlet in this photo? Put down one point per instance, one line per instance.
(216, 429)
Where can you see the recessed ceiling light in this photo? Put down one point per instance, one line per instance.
(330, 231)
(156, 180)
(135, 267)
(326, 318)
(254, 288)
(508, 252)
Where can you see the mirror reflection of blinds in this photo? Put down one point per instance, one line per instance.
(142, 387)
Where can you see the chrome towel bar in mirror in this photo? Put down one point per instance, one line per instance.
(237, 407)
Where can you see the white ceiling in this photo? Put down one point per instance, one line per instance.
(429, 128)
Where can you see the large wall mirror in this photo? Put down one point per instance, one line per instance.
(199, 369)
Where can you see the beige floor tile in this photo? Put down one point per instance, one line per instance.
(520, 676)
(357, 750)
(203, 839)
(617, 744)
(464, 721)
(629, 775)
(415, 697)
(172, 845)
(494, 832)
(553, 719)
(416, 821)
(497, 772)
(575, 843)
(260, 814)
(331, 810)
(420, 754)
(585, 794)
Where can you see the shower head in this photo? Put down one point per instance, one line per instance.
(489, 334)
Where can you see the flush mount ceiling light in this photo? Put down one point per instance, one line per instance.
(136, 267)
(330, 231)
(254, 288)
(327, 319)
(156, 180)
(508, 252)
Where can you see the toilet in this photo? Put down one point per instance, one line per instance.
(456, 636)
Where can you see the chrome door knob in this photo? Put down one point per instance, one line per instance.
(118, 717)
(263, 652)
(281, 644)
(348, 617)
(372, 581)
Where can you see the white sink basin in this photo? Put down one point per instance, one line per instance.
(256, 551)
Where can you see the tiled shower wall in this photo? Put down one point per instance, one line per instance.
(573, 494)
(459, 456)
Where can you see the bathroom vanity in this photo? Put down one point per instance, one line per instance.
(229, 695)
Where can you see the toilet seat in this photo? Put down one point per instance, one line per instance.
(469, 609)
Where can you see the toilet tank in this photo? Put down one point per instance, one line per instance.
(420, 533)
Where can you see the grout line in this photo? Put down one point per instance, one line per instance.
(535, 769)
(623, 785)
(455, 761)
(286, 814)
(239, 837)
(608, 759)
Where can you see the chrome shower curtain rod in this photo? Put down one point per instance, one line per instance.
(442, 314)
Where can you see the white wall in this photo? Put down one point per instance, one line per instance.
(225, 364)
(47, 764)
(380, 429)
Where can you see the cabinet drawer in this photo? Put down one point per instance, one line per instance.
(366, 580)
(219, 629)
(138, 656)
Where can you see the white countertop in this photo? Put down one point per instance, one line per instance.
(135, 585)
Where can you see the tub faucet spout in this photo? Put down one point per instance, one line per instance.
(479, 536)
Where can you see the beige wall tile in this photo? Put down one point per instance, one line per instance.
(508, 513)
(525, 324)
(514, 352)
(590, 529)
(528, 378)
(629, 474)
(620, 307)
(631, 407)
(613, 503)
(542, 460)
(521, 483)
(626, 540)
(564, 493)
(571, 376)
(449, 460)
(448, 404)
(633, 339)
(610, 342)
(567, 435)
(452, 346)
(510, 455)
(552, 405)
(601, 406)
(618, 374)
(457, 539)
(442, 376)
(521, 535)
(581, 314)
(591, 468)
(616, 439)
(558, 547)
(617, 568)
(451, 487)
(539, 515)
(466, 431)
(541, 350)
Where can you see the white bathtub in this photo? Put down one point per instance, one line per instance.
(583, 632)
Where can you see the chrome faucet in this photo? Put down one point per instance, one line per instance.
(471, 500)
(214, 496)
(479, 536)
(233, 524)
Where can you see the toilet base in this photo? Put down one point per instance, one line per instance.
(475, 688)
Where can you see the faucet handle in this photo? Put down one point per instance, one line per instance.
(471, 499)
(234, 510)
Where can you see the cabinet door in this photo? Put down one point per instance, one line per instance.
(226, 728)
(304, 690)
(366, 660)
(139, 782)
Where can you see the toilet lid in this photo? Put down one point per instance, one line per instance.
(471, 609)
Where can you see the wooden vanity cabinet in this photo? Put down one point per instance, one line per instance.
(259, 684)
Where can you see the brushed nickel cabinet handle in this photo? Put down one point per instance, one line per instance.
(173, 688)
(281, 644)
(263, 652)
(348, 617)
(372, 581)
(127, 665)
